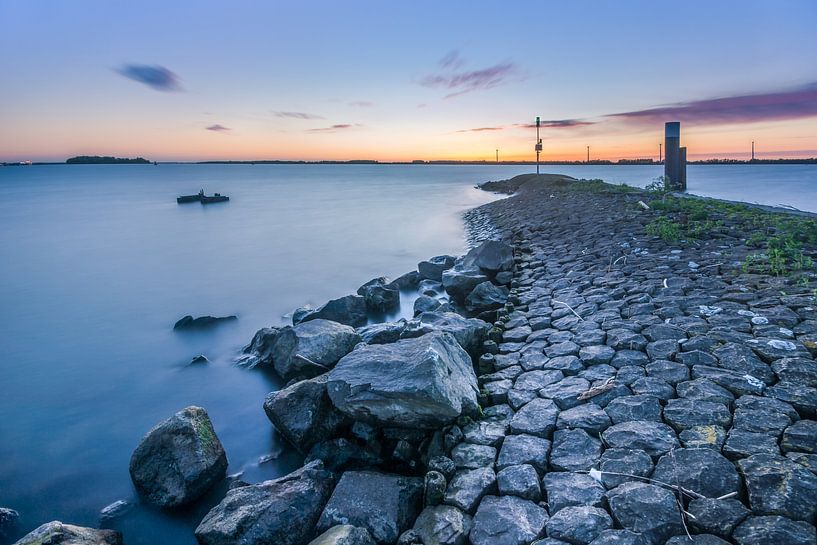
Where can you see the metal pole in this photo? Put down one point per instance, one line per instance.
(538, 145)
(588, 154)
(753, 150)
(660, 157)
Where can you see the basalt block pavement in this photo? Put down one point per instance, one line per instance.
(638, 391)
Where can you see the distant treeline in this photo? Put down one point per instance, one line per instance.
(810, 161)
(106, 160)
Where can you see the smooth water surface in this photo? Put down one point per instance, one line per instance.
(98, 261)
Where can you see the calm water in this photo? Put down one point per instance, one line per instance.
(97, 263)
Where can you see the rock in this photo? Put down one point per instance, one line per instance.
(384, 333)
(507, 520)
(702, 389)
(517, 334)
(382, 503)
(283, 511)
(682, 414)
(426, 303)
(719, 517)
(618, 537)
(703, 437)
(578, 525)
(460, 281)
(741, 359)
(760, 421)
(504, 278)
(538, 417)
(469, 332)
(524, 449)
(574, 450)
(565, 393)
(109, 512)
(8, 521)
(778, 486)
(202, 322)
(646, 509)
(197, 360)
(304, 414)
(616, 463)
(425, 382)
(596, 354)
(434, 267)
(443, 525)
(491, 256)
(344, 534)
(311, 348)
(740, 444)
(434, 488)
(408, 281)
(468, 487)
(486, 296)
(348, 310)
(444, 465)
(701, 470)
(178, 460)
(589, 417)
(653, 386)
(637, 407)
(58, 533)
(468, 456)
(521, 480)
(259, 351)
(655, 438)
(774, 530)
(625, 339)
(801, 437)
(566, 489)
(380, 295)
(698, 539)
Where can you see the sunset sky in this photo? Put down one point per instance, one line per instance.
(175, 80)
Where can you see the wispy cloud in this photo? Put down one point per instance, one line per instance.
(218, 128)
(483, 129)
(795, 103)
(297, 115)
(557, 124)
(361, 104)
(156, 77)
(336, 128)
(450, 76)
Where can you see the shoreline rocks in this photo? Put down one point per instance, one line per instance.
(59, 533)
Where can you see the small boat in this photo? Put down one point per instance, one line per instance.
(202, 198)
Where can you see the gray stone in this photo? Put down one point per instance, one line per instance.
(697, 539)
(703, 437)
(435, 485)
(629, 357)
(303, 413)
(802, 370)
(655, 438)
(741, 359)
(521, 480)
(578, 525)
(801, 437)
(524, 449)
(774, 530)
(589, 417)
(565, 393)
(486, 296)
(507, 520)
(662, 350)
(566, 348)
(344, 534)
(574, 450)
(567, 489)
(283, 511)
(653, 386)
(384, 504)
(469, 332)
(702, 389)
(595, 354)
(760, 421)
(470, 456)
(740, 444)
(380, 295)
(444, 465)
(637, 407)
(426, 303)
(459, 281)
(259, 351)
(569, 365)
(443, 525)
(311, 348)
(625, 339)
(537, 379)
(670, 371)
(425, 382)
(348, 310)
(387, 332)
(538, 417)
(58, 533)
(713, 516)
(619, 537)
(700, 470)
(178, 460)
(778, 486)
(491, 256)
(434, 267)
(468, 487)
(646, 509)
(683, 414)
(617, 463)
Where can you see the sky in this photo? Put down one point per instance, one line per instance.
(400, 81)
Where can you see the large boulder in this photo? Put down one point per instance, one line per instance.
(425, 382)
(283, 511)
(259, 352)
(344, 534)
(434, 267)
(311, 348)
(383, 333)
(303, 413)
(507, 520)
(178, 460)
(349, 310)
(58, 533)
(491, 256)
(469, 332)
(459, 281)
(380, 295)
(384, 504)
(486, 296)
(8, 520)
(202, 322)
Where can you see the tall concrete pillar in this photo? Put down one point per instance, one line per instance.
(672, 153)
(682, 169)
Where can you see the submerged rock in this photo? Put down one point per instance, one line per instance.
(58, 533)
(202, 322)
(178, 460)
(344, 534)
(384, 504)
(311, 348)
(259, 351)
(425, 382)
(283, 511)
(348, 310)
(8, 520)
(303, 413)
